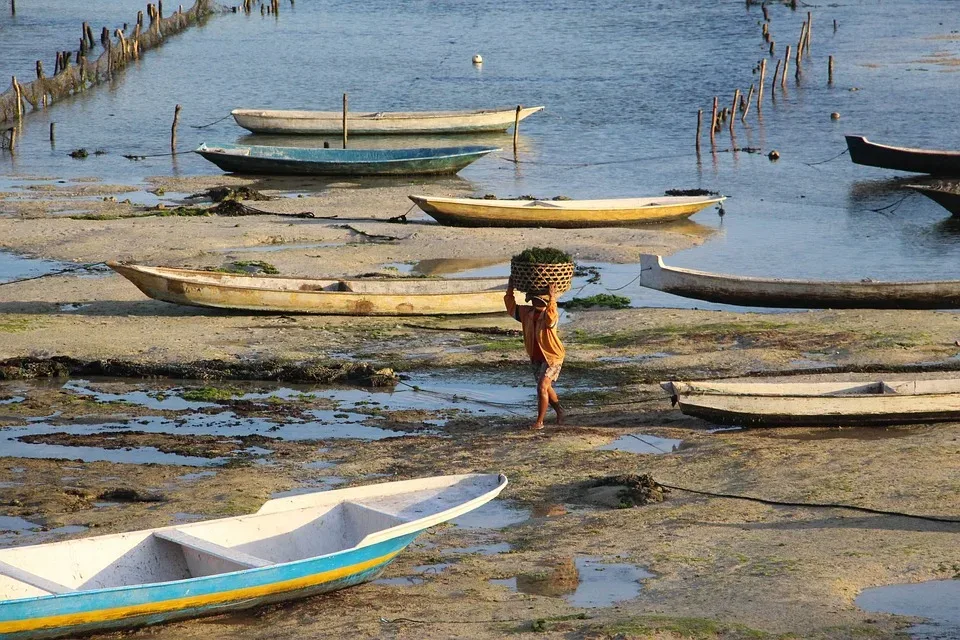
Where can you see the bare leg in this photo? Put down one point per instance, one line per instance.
(543, 399)
(555, 403)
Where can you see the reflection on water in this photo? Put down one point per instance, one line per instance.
(610, 128)
(938, 601)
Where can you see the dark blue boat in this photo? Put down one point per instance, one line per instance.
(341, 162)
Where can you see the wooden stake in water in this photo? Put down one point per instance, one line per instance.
(173, 129)
(834, 25)
(13, 7)
(699, 126)
(786, 67)
(344, 121)
(516, 129)
(746, 109)
(19, 94)
(809, 27)
(733, 109)
(713, 122)
(830, 71)
(766, 13)
(763, 76)
(53, 134)
(13, 139)
(773, 46)
(773, 84)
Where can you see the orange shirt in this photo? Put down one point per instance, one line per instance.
(540, 337)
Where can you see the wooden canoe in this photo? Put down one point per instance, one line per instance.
(274, 121)
(333, 296)
(947, 198)
(561, 214)
(819, 404)
(268, 160)
(803, 294)
(871, 154)
(291, 548)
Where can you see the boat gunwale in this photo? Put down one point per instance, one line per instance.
(567, 206)
(397, 531)
(233, 151)
(304, 114)
(873, 284)
(910, 150)
(148, 270)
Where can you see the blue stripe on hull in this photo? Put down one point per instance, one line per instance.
(93, 601)
(271, 166)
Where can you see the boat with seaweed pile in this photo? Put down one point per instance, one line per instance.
(771, 404)
(798, 294)
(276, 121)
(947, 197)
(268, 160)
(561, 214)
(291, 548)
(328, 296)
(933, 162)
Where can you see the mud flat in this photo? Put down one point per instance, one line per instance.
(90, 451)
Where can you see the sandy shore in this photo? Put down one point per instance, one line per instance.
(720, 567)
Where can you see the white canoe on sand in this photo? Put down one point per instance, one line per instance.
(770, 404)
(276, 121)
(803, 294)
(291, 548)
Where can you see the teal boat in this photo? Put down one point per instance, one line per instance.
(238, 158)
(294, 547)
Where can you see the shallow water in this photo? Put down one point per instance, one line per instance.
(938, 601)
(643, 443)
(599, 584)
(622, 85)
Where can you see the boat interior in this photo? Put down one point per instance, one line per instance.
(880, 387)
(386, 286)
(284, 530)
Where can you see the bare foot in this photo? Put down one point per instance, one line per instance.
(561, 412)
(537, 426)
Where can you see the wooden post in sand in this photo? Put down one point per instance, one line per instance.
(344, 121)
(173, 129)
(713, 122)
(516, 129)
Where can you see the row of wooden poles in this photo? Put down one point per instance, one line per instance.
(266, 8)
(742, 104)
(145, 35)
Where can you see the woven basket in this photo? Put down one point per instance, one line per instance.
(534, 277)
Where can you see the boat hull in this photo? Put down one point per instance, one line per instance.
(949, 200)
(386, 123)
(179, 286)
(799, 294)
(835, 411)
(933, 162)
(111, 609)
(469, 212)
(341, 162)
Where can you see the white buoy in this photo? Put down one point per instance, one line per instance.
(478, 59)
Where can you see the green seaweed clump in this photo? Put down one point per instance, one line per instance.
(79, 154)
(249, 267)
(543, 255)
(210, 394)
(600, 300)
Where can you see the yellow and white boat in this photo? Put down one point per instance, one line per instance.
(327, 296)
(561, 214)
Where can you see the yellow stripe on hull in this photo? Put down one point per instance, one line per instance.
(562, 214)
(189, 602)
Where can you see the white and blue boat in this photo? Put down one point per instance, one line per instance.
(291, 548)
(269, 160)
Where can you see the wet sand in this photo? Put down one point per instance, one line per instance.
(721, 568)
